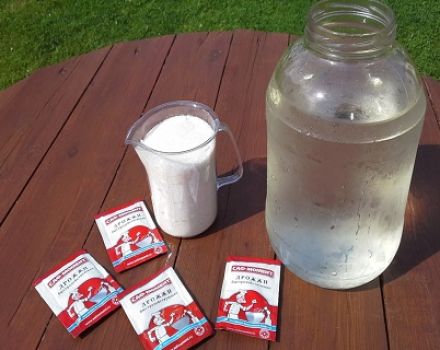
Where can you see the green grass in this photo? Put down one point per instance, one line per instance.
(37, 33)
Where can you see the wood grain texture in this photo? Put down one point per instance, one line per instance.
(82, 167)
(192, 70)
(54, 214)
(315, 318)
(239, 229)
(412, 283)
(433, 94)
(31, 115)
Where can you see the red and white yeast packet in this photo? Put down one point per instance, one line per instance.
(249, 297)
(163, 313)
(79, 291)
(130, 235)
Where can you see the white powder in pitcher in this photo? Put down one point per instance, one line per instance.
(184, 185)
(179, 133)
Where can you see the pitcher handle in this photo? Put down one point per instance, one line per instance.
(230, 179)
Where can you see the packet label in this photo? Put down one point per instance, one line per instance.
(130, 235)
(249, 297)
(163, 313)
(79, 292)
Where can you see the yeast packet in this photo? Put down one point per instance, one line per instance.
(249, 297)
(130, 235)
(79, 292)
(163, 313)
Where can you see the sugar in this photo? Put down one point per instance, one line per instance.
(183, 185)
(179, 133)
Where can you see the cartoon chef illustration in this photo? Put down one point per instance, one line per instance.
(236, 306)
(159, 332)
(151, 236)
(267, 319)
(78, 306)
(193, 318)
(107, 287)
(125, 242)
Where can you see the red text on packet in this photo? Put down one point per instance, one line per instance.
(251, 269)
(122, 214)
(63, 273)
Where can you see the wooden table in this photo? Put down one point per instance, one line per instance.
(63, 159)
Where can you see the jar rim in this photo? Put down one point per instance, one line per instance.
(350, 29)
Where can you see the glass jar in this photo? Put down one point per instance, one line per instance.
(344, 109)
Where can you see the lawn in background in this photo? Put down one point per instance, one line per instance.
(37, 33)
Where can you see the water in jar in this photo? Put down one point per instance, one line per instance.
(337, 190)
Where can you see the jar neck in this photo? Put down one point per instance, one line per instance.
(356, 29)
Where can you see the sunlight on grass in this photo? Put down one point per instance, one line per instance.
(37, 33)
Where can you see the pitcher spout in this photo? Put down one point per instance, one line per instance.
(130, 140)
(135, 134)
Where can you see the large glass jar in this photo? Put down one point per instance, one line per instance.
(345, 109)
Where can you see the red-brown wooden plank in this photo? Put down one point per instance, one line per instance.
(315, 318)
(247, 236)
(9, 92)
(431, 127)
(412, 282)
(192, 70)
(292, 38)
(31, 115)
(56, 209)
(311, 317)
(433, 93)
(239, 229)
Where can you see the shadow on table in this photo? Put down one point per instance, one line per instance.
(421, 235)
(245, 198)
